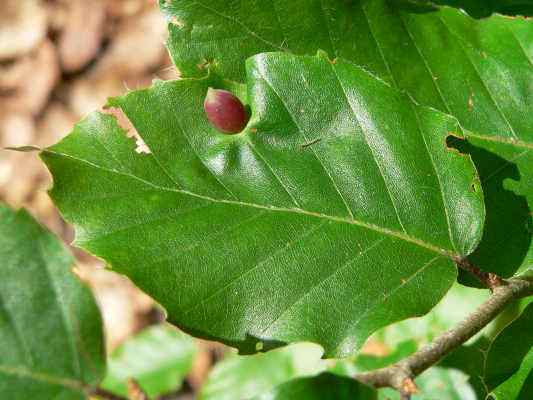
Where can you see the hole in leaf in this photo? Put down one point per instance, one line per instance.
(129, 129)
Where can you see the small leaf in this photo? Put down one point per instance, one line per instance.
(501, 367)
(51, 339)
(511, 353)
(158, 359)
(325, 386)
(245, 377)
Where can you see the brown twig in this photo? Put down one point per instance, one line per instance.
(105, 395)
(135, 392)
(488, 279)
(400, 375)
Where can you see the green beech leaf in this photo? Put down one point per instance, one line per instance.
(501, 367)
(245, 377)
(158, 359)
(479, 71)
(337, 211)
(325, 386)
(51, 340)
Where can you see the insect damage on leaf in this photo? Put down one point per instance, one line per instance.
(225, 111)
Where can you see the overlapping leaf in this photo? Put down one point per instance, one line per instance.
(479, 71)
(337, 211)
(509, 361)
(503, 366)
(247, 377)
(325, 386)
(51, 342)
(158, 359)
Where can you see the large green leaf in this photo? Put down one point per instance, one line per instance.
(478, 71)
(51, 340)
(263, 238)
(158, 359)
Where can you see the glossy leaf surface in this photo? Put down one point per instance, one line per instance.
(51, 340)
(298, 229)
(479, 71)
(158, 358)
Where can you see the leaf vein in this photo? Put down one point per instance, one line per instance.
(480, 77)
(235, 20)
(350, 221)
(363, 130)
(334, 185)
(315, 286)
(295, 240)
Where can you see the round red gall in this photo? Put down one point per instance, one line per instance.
(225, 111)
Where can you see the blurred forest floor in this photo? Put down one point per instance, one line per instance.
(60, 60)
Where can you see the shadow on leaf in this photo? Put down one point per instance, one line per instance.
(474, 8)
(507, 233)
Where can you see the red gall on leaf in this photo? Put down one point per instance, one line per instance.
(225, 111)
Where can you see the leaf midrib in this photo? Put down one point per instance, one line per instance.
(300, 211)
